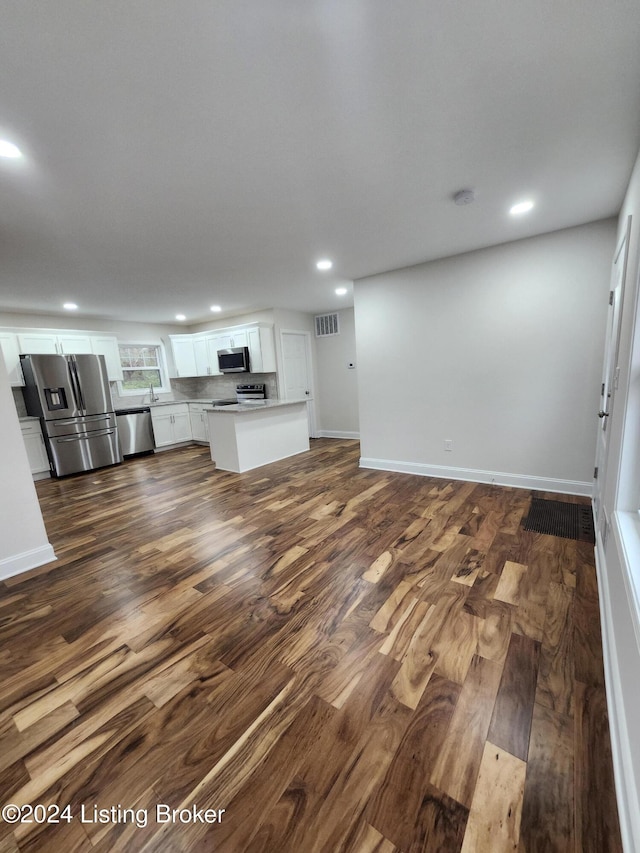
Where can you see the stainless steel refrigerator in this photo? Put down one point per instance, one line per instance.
(70, 394)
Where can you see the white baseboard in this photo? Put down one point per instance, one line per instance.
(19, 563)
(473, 475)
(622, 751)
(336, 433)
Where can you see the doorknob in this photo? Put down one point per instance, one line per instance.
(603, 414)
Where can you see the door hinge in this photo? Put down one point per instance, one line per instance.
(611, 297)
(595, 473)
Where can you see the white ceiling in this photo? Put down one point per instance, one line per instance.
(184, 152)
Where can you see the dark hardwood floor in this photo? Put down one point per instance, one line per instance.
(341, 659)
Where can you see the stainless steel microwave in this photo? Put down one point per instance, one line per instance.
(234, 360)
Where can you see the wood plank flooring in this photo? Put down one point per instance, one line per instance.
(341, 659)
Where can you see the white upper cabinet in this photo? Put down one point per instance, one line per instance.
(61, 342)
(259, 339)
(262, 350)
(52, 342)
(184, 358)
(11, 354)
(107, 345)
(201, 355)
(71, 343)
(213, 345)
(238, 338)
(230, 338)
(38, 343)
(205, 352)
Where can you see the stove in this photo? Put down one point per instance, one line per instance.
(251, 393)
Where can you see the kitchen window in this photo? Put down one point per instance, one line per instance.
(143, 366)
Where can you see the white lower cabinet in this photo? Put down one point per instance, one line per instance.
(171, 424)
(36, 452)
(199, 423)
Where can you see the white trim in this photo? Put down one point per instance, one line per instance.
(163, 368)
(185, 443)
(621, 747)
(19, 563)
(499, 478)
(336, 433)
(626, 530)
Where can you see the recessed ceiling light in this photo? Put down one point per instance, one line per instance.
(180, 317)
(216, 308)
(8, 149)
(70, 306)
(521, 207)
(325, 264)
(341, 291)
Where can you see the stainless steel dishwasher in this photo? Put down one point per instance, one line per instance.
(135, 433)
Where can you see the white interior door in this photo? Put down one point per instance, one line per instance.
(610, 371)
(297, 372)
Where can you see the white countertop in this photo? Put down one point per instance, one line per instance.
(255, 406)
(205, 402)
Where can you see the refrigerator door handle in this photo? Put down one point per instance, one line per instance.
(75, 384)
(84, 436)
(88, 419)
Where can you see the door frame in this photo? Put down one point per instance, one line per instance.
(311, 407)
(610, 371)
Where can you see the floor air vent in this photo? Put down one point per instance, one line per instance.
(327, 324)
(558, 518)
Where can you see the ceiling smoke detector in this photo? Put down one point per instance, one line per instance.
(464, 197)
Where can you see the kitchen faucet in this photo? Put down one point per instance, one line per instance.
(153, 398)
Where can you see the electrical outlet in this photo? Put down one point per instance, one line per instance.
(448, 444)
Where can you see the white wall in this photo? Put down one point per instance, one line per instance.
(618, 542)
(337, 383)
(239, 320)
(122, 330)
(23, 538)
(498, 350)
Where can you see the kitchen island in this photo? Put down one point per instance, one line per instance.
(248, 435)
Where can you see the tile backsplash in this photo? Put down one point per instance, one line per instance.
(201, 388)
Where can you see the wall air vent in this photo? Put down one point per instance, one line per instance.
(327, 324)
